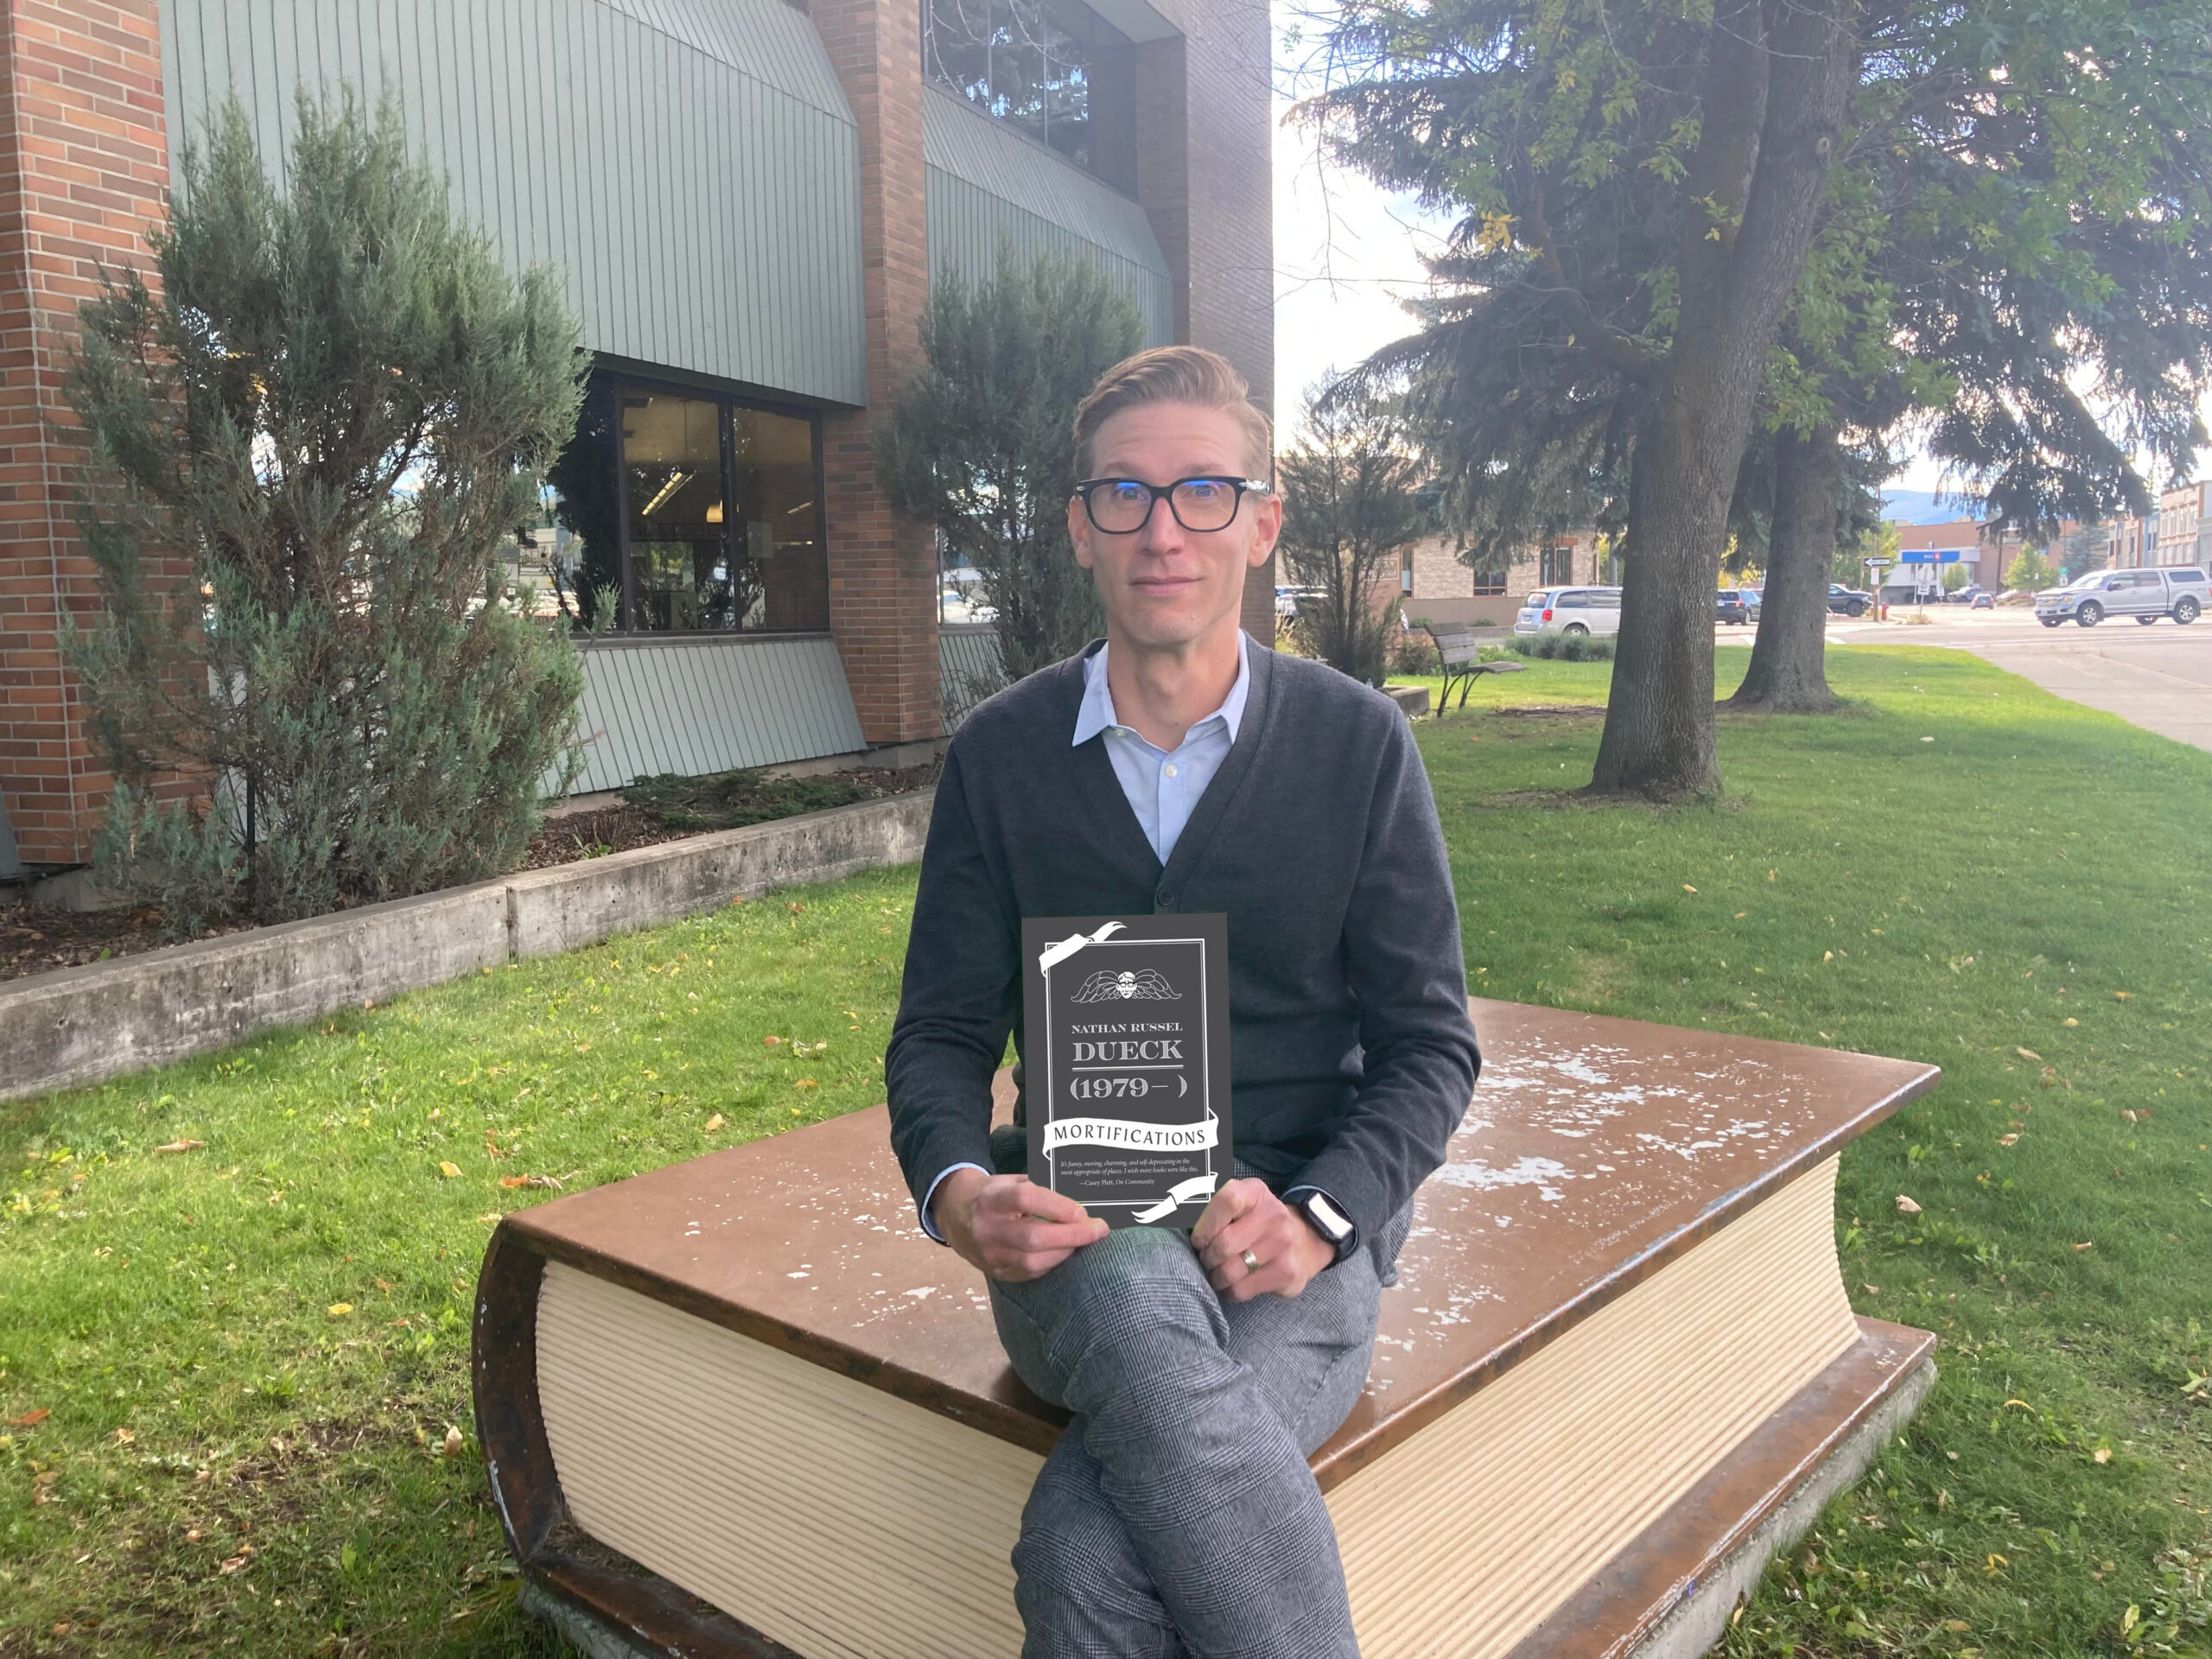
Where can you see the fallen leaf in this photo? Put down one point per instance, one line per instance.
(492, 1215)
(1906, 1206)
(449, 1170)
(1741, 914)
(381, 1284)
(338, 1310)
(806, 1083)
(2029, 1054)
(2128, 1115)
(30, 1419)
(2102, 1454)
(1687, 889)
(1957, 1626)
(770, 1042)
(2119, 996)
(235, 1562)
(124, 1437)
(2071, 1021)
(2088, 1244)
(2007, 1140)
(512, 1181)
(1771, 875)
(452, 1447)
(181, 1146)
(714, 1123)
(796, 908)
(491, 1146)
(1827, 956)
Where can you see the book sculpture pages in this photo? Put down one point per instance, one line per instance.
(1126, 1040)
(743, 1406)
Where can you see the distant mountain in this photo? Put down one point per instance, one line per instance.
(1920, 507)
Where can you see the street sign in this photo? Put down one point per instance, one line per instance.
(1932, 556)
(1876, 564)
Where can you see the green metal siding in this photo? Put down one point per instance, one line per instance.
(971, 667)
(690, 166)
(702, 705)
(986, 182)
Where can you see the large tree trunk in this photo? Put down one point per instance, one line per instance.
(1775, 85)
(1788, 671)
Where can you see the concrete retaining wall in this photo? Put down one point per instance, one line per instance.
(80, 1025)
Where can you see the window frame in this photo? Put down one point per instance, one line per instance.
(727, 403)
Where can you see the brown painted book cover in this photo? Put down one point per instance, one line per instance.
(1125, 1025)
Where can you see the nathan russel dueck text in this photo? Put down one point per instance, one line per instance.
(1125, 1049)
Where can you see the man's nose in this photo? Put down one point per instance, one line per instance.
(1163, 532)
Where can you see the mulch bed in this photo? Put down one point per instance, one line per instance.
(40, 939)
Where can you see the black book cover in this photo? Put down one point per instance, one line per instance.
(1125, 1062)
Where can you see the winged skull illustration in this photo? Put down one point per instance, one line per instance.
(1145, 987)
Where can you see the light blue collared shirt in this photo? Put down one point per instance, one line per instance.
(1162, 788)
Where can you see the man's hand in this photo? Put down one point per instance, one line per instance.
(1247, 1216)
(1008, 1226)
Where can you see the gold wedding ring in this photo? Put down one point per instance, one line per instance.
(1251, 1263)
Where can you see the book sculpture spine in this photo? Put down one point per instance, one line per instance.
(1126, 1050)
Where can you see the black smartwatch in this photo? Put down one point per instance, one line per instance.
(1323, 1218)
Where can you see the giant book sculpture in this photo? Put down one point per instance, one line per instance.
(742, 1405)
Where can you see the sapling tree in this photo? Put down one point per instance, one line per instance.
(309, 447)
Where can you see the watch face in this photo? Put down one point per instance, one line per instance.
(1332, 1220)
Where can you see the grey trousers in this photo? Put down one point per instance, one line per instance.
(1177, 1514)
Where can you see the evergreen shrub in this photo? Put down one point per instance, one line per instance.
(311, 680)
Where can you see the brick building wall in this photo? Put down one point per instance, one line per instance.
(1204, 178)
(1438, 588)
(84, 166)
(882, 567)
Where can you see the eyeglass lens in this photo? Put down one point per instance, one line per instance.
(1124, 504)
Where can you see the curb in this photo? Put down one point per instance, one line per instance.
(82, 1025)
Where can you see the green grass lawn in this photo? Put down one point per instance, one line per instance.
(261, 1342)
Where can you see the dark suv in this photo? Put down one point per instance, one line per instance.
(1734, 605)
(1847, 601)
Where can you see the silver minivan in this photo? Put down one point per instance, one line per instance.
(1570, 610)
(2179, 591)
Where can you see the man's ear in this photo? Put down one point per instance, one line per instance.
(1268, 524)
(1079, 531)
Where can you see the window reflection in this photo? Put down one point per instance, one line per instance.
(691, 514)
(1015, 59)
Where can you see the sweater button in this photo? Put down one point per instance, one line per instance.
(1164, 898)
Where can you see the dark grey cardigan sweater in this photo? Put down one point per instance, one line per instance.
(1352, 1055)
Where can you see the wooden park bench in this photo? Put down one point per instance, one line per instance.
(1461, 657)
(741, 1406)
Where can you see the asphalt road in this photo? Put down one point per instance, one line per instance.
(2158, 678)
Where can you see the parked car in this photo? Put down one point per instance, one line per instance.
(2179, 591)
(1848, 601)
(1734, 605)
(1966, 595)
(1570, 610)
(1985, 601)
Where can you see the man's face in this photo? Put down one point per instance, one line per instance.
(1164, 585)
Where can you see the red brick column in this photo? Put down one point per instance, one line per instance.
(1206, 184)
(882, 567)
(84, 167)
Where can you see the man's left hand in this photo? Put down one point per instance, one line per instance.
(1245, 1215)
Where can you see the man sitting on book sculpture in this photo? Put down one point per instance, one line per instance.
(1179, 767)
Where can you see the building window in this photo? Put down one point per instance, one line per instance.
(692, 513)
(1555, 564)
(1027, 63)
(1488, 587)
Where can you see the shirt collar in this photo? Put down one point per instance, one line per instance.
(1096, 712)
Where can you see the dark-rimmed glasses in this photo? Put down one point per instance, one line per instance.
(1121, 506)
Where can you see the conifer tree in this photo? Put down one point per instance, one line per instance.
(308, 449)
(982, 446)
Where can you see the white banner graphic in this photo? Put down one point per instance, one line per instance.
(1136, 1137)
(1183, 1192)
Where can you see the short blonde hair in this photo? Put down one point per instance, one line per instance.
(1173, 374)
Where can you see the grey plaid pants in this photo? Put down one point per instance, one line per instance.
(1177, 1514)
